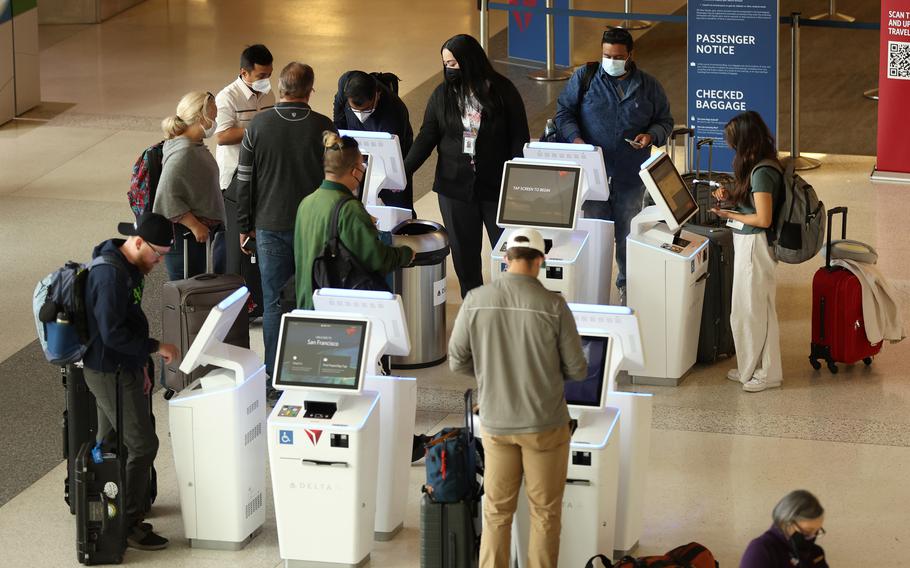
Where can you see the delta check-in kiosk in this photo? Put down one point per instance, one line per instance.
(385, 170)
(546, 194)
(666, 269)
(217, 434)
(398, 395)
(323, 439)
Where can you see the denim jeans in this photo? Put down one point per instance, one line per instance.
(173, 259)
(624, 203)
(275, 252)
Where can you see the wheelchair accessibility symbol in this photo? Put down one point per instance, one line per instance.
(286, 437)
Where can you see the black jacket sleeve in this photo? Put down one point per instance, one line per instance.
(519, 134)
(338, 110)
(245, 174)
(428, 137)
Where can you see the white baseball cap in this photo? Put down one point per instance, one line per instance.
(528, 238)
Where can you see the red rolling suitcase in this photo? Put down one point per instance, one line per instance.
(838, 330)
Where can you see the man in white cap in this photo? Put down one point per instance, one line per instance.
(520, 342)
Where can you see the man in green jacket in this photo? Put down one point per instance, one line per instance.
(344, 172)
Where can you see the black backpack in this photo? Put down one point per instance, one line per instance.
(337, 267)
(587, 78)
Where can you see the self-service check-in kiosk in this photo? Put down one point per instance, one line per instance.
(621, 324)
(216, 426)
(385, 170)
(666, 269)
(398, 403)
(546, 194)
(323, 439)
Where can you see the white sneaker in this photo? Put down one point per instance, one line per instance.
(733, 375)
(757, 385)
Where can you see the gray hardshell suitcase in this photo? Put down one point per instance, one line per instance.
(185, 304)
(715, 338)
(449, 537)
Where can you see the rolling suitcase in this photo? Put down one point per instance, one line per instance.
(448, 534)
(100, 499)
(237, 262)
(715, 336)
(80, 424)
(185, 304)
(702, 186)
(838, 330)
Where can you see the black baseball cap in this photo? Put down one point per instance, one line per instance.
(153, 228)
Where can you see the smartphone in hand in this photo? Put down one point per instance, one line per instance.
(249, 244)
(634, 144)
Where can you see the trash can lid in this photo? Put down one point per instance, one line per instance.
(420, 235)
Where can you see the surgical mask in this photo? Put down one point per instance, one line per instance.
(363, 115)
(262, 86)
(208, 132)
(453, 75)
(614, 67)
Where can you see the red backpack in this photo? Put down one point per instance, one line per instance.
(692, 555)
(144, 181)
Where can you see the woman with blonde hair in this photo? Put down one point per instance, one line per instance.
(188, 191)
(344, 171)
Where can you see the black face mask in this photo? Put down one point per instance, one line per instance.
(800, 543)
(452, 75)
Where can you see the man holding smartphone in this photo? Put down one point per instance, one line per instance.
(625, 111)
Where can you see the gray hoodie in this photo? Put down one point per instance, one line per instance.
(189, 181)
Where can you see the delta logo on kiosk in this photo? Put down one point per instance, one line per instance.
(313, 435)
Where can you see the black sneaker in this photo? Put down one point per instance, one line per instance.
(141, 539)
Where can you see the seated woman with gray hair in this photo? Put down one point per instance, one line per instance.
(792, 541)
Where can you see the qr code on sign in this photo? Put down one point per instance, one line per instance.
(899, 60)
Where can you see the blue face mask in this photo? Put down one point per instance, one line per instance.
(614, 67)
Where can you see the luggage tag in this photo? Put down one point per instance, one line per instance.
(469, 143)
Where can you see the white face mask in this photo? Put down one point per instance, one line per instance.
(262, 86)
(614, 67)
(363, 115)
(208, 132)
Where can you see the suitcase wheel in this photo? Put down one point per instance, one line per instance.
(832, 366)
(815, 364)
(867, 361)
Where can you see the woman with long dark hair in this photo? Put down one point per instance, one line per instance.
(476, 121)
(758, 187)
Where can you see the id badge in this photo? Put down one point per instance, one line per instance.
(733, 224)
(469, 143)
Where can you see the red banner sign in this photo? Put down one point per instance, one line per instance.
(894, 88)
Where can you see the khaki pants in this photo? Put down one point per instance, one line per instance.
(543, 458)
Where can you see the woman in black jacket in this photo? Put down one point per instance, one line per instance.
(476, 121)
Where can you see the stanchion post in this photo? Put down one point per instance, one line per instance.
(833, 15)
(799, 162)
(485, 26)
(627, 23)
(551, 73)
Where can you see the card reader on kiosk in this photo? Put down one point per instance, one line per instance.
(398, 402)
(621, 324)
(216, 426)
(323, 439)
(385, 171)
(546, 195)
(666, 269)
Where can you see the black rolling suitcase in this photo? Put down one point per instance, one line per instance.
(237, 261)
(715, 337)
(100, 500)
(448, 534)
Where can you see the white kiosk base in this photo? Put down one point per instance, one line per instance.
(216, 428)
(666, 287)
(579, 263)
(324, 479)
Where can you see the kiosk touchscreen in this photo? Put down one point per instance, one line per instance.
(542, 196)
(216, 426)
(666, 269)
(323, 439)
(367, 170)
(591, 393)
(398, 402)
(386, 172)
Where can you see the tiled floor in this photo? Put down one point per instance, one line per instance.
(720, 458)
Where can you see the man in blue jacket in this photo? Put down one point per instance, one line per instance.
(625, 111)
(120, 350)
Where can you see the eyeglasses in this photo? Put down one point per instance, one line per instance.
(818, 534)
(154, 250)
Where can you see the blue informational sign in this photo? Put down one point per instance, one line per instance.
(733, 66)
(286, 437)
(528, 33)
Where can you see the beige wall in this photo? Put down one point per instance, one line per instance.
(81, 11)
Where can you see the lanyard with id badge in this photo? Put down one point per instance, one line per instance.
(469, 144)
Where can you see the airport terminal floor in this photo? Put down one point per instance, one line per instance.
(720, 458)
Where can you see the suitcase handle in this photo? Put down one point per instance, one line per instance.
(831, 213)
(698, 145)
(209, 245)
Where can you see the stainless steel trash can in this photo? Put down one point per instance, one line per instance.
(422, 286)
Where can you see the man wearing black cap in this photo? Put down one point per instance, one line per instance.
(113, 301)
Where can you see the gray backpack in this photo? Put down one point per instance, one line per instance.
(797, 230)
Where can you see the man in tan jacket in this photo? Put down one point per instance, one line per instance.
(520, 341)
